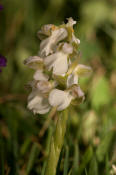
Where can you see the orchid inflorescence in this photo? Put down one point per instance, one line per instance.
(55, 81)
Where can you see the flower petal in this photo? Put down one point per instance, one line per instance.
(39, 75)
(59, 99)
(72, 79)
(48, 45)
(34, 62)
(58, 62)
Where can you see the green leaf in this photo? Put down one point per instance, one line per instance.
(86, 159)
(93, 169)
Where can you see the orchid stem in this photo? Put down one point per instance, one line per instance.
(56, 144)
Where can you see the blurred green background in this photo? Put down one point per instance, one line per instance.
(90, 142)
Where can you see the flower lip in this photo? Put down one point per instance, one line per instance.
(60, 99)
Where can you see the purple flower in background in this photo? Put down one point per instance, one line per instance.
(1, 7)
(2, 62)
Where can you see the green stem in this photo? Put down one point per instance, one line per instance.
(56, 144)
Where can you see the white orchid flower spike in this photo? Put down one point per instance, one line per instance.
(55, 81)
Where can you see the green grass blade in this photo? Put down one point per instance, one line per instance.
(86, 159)
(33, 155)
(66, 161)
(75, 160)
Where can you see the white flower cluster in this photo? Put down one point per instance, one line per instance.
(55, 81)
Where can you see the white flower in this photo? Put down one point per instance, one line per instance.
(58, 61)
(60, 99)
(78, 70)
(38, 103)
(48, 45)
(34, 62)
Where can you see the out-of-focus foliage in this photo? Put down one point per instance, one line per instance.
(90, 142)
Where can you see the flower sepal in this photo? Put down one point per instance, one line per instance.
(34, 62)
(82, 70)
